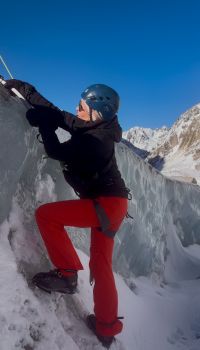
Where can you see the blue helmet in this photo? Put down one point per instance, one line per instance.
(103, 99)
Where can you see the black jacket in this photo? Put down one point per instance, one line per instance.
(88, 158)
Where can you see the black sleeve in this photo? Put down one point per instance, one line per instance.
(41, 104)
(53, 147)
(29, 92)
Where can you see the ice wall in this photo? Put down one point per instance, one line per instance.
(16, 138)
(166, 213)
(166, 219)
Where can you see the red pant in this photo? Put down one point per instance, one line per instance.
(51, 219)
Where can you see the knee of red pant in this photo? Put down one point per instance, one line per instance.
(100, 265)
(109, 329)
(94, 264)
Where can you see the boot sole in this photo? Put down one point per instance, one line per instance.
(63, 291)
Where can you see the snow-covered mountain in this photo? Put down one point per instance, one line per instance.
(175, 151)
(146, 138)
(157, 254)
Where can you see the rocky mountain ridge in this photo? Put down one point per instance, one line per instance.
(174, 151)
(145, 138)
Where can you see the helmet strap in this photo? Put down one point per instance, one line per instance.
(90, 113)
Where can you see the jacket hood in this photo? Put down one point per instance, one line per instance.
(111, 127)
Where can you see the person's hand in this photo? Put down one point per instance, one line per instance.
(43, 117)
(32, 117)
(13, 83)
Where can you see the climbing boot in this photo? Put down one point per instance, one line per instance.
(55, 281)
(106, 341)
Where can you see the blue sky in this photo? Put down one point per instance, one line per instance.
(147, 50)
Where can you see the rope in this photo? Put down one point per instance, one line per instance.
(4, 64)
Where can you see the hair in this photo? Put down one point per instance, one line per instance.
(95, 114)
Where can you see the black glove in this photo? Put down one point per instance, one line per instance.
(44, 117)
(44, 113)
(25, 89)
(13, 83)
(32, 117)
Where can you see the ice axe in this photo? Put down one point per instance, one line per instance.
(3, 82)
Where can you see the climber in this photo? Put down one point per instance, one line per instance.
(89, 166)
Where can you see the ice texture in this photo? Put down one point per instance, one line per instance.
(163, 210)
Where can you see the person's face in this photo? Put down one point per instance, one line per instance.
(81, 111)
